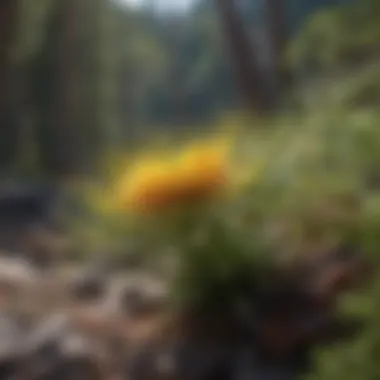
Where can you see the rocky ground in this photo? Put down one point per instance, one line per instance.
(70, 323)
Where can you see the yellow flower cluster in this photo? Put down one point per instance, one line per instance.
(198, 172)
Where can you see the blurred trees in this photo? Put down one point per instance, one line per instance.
(337, 51)
(65, 83)
(73, 79)
(81, 77)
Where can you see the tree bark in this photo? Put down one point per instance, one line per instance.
(8, 135)
(254, 87)
(178, 90)
(63, 145)
(278, 35)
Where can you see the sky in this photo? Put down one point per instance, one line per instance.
(169, 5)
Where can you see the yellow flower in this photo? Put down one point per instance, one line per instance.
(197, 173)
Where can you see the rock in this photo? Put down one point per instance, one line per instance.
(23, 204)
(143, 296)
(8, 368)
(17, 271)
(89, 286)
(46, 333)
(12, 337)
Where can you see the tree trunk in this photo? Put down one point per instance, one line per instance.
(63, 141)
(256, 90)
(178, 75)
(278, 35)
(8, 135)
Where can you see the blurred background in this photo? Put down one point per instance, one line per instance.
(84, 83)
(80, 79)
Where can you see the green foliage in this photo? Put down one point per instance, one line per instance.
(339, 37)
